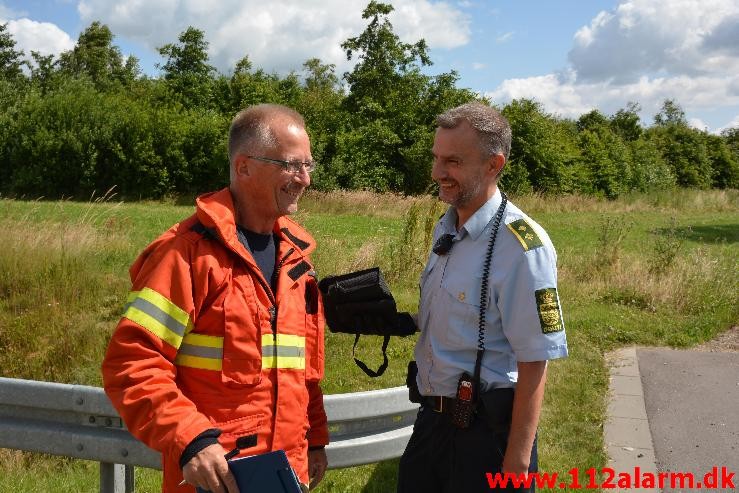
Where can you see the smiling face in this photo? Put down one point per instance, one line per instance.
(466, 178)
(265, 191)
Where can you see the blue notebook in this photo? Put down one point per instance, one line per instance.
(265, 473)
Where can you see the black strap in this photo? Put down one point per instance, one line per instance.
(381, 369)
(484, 292)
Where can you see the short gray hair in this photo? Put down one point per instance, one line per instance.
(252, 127)
(492, 127)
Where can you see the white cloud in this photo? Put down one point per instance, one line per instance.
(659, 38)
(277, 35)
(565, 96)
(44, 37)
(504, 37)
(644, 51)
(479, 66)
(732, 124)
(697, 123)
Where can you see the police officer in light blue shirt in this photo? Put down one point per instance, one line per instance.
(522, 326)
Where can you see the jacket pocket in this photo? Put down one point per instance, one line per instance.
(242, 337)
(234, 429)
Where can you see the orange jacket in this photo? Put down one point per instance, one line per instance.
(204, 343)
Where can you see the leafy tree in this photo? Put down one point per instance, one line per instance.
(390, 107)
(593, 120)
(544, 154)
(186, 69)
(724, 162)
(45, 72)
(682, 147)
(649, 171)
(670, 114)
(626, 122)
(96, 57)
(320, 104)
(11, 61)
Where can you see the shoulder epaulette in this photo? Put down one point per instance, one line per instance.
(525, 234)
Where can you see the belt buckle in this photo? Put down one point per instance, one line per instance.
(440, 408)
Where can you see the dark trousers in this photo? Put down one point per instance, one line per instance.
(441, 458)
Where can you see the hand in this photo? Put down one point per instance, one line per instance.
(209, 470)
(516, 467)
(317, 464)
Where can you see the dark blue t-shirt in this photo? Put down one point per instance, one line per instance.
(264, 250)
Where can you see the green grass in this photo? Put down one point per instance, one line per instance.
(645, 269)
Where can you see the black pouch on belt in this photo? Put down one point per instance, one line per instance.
(497, 409)
(410, 381)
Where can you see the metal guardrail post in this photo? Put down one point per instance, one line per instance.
(116, 478)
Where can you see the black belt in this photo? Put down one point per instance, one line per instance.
(440, 403)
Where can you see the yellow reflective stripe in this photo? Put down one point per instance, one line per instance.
(201, 351)
(154, 326)
(285, 344)
(283, 340)
(166, 306)
(291, 362)
(158, 315)
(197, 362)
(203, 340)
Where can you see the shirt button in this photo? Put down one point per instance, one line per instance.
(461, 296)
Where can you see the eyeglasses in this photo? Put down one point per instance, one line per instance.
(289, 166)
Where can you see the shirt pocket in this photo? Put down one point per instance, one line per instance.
(462, 301)
(242, 337)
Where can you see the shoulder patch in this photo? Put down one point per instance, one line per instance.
(525, 234)
(547, 304)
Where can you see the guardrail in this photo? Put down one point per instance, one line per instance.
(79, 421)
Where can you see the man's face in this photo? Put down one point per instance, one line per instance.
(272, 190)
(459, 167)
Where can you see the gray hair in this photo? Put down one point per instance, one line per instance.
(251, 128)
(492, 127)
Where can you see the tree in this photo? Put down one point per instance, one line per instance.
(186, 69)
(320, 104)
(724, 162)
(543, 154)
(96, 57)
(11, 61)
(682, 147)
(670, 114)
(387, 109)
(626, 122)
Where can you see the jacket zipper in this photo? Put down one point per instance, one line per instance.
(273, 324)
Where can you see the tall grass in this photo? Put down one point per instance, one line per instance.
(646, 269)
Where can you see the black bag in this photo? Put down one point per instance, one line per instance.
(361, 303)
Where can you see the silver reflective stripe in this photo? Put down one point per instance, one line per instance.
(201, 351)
(283, 351)
(157, 314)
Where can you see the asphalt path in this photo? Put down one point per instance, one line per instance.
(692, 405)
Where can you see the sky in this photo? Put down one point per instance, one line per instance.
(572, 56)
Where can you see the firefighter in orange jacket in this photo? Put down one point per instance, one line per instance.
(222, 334)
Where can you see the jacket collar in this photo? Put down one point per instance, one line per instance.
(216, 210)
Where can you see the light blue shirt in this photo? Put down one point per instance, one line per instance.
(450, 303)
